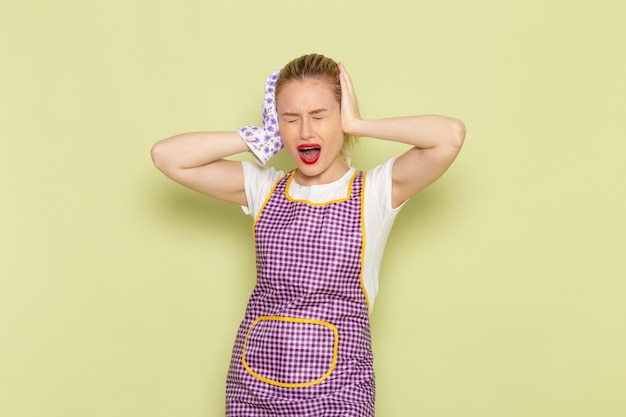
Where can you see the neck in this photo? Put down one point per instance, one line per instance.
(325, 177)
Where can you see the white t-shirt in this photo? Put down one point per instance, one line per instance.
(378, 213)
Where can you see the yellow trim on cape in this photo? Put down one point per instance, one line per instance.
(363, 242)
(327, 203)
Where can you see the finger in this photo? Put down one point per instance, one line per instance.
(349, 102)
(345, 79)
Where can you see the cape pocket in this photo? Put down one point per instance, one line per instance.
(290, 352)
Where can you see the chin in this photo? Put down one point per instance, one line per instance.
(309, 170)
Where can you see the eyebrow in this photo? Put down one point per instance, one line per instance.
(316, 111)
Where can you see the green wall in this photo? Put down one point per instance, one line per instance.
(502, 290)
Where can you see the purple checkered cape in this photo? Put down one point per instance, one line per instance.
(304, 346)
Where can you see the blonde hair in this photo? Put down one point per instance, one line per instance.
(317, 66)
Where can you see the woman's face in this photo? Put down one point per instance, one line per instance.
(309, 119)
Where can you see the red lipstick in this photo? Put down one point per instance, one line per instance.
(309, 152)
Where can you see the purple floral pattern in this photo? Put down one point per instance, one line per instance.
(265, 142)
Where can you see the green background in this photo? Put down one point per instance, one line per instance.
(503, 287)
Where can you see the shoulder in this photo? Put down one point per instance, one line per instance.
(258, 182)
(258, 174)
(378, 188)
(380, 175)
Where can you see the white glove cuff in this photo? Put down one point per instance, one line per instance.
(263, 144)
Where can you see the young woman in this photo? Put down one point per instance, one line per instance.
(304, 347)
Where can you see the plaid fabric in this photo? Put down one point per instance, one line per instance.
(304, 347)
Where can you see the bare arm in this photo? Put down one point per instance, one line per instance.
(196, 160)
(436, 141)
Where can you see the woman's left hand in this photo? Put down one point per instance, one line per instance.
(350, 115)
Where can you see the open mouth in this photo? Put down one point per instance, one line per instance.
(309, 153)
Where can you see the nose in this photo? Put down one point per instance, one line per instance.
(306, 131)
